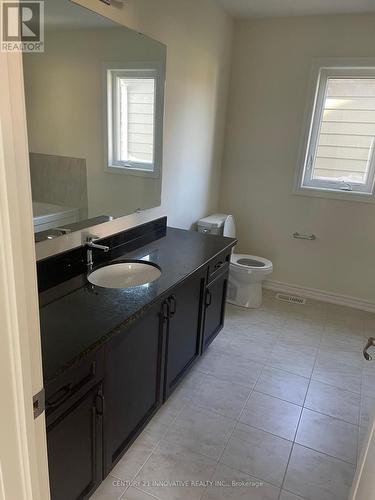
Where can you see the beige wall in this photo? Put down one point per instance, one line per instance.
(271, 68)
(198, 37)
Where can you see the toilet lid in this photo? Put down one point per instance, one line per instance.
(253, 262)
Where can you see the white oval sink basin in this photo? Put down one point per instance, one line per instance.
(124, 275)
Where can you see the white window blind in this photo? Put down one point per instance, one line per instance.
(340, 150)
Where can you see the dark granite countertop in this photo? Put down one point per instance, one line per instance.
(77, 318)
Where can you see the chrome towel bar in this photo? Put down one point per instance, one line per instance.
(298, 236)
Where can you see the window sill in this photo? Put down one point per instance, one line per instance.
(138, 172)
(335, 195)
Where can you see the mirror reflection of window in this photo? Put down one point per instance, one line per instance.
(137, 110)
(134, 114)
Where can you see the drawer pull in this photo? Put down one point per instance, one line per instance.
(69, 389)
(218, 265)
(208, 298)
(99, 403)
(173, 305)
(165, 311)
(65, 392)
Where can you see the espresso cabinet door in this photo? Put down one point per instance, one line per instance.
(215, 300)
(184, 330)
(132, 382)
(74, 443)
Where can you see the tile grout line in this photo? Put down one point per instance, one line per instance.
(239, 416)
(335, 386)
(195, 452)
(321, 345)
(138, 471)
(308, 408)
(360, 418)
(325, 454)
(318, 350)
(141, 491)
(360, 395)
(151, 453)
(330, 416)
(237, 420)
(298, 424)
(293, 439)
(304, 402)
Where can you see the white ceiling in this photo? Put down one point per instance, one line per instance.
(284, 8)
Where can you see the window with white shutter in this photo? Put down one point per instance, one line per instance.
(134, 120)
(339, 150)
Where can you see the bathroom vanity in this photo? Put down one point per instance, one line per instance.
(111, 357)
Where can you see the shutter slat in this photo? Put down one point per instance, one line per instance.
(346, 153)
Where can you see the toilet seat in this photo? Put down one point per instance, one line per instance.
(252, 263)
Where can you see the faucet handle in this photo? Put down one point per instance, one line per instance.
(91, 238)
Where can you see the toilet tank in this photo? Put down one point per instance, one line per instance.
(217, 224)
(229, 229)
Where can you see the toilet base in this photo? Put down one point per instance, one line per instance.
(249, 295)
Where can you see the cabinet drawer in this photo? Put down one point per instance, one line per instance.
(73, 384)
(218, 265)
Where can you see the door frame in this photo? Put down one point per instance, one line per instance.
(23, 450)
(363, 487)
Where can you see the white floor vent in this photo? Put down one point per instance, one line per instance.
(290, 298)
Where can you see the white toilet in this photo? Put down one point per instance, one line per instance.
(247, 272)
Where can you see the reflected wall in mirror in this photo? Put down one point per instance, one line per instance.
(94, 108)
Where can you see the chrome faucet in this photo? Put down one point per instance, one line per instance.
(90, 244)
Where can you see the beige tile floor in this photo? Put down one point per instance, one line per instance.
(275, 410)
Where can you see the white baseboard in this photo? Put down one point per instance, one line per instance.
(323, 296)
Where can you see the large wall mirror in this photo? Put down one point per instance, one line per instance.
(94, 108)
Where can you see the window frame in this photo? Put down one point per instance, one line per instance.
(321, 70)
(132, 70)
